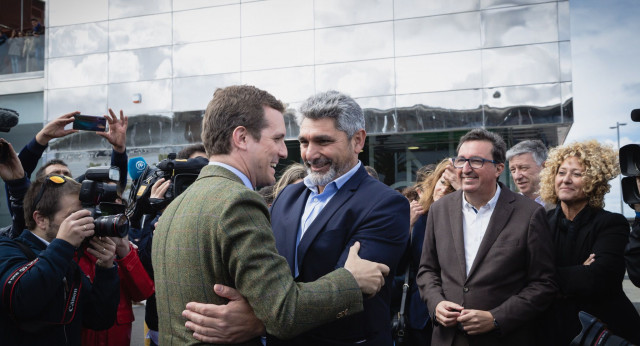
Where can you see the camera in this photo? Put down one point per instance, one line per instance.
(630, 168)
(4, 152)
(98, 194)
(594, 332)
(181, 172)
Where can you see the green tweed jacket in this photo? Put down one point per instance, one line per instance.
(218, 231)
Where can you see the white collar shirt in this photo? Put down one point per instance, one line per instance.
(474, 226)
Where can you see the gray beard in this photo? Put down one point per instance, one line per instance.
(320, 179)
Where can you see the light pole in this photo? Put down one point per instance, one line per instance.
(617, 127)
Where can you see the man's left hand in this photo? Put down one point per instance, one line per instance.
(232, 323)
(476, 321)
(117, 134)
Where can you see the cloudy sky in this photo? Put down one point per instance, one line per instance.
(605, 44)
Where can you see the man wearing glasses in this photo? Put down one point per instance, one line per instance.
(46, 299)
(487, 263)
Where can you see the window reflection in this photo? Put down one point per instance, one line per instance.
(520, 25)
(567, 102)
(441, 110)
(485, 4)
(77, 71)
(520, 65)
(126, 8)
(193, 93)
(345, 12)
(78, 39)
(564, 30)
(438, 72)
(206, 24)
(191, 4)
(522, 105)
(155, 96)
(141, 64)
(76, 12)
(206, 58)
(349, 43)
(268, 17)
(274, 51)
(289, 84)
(419, 8)
(565, 61)
(358, 79)
(140, 32)
(437, 34)
(90, 100)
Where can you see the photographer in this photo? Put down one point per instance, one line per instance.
(17, 185)
(632, 252)
(47, 299)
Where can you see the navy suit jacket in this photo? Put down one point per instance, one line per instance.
(363, 210)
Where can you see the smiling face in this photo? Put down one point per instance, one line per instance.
(264, 154)
(478, 183)
(526, 174)
(326, 151)
(569, 182)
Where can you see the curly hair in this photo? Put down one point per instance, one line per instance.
(600, 164)
(429, 184)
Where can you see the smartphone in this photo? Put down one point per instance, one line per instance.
(89, 123)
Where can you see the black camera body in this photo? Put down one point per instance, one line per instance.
(181, 172)
(98, 193)
(595, 333)
(630, 168)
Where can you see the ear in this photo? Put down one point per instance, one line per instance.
(358, 140)
(239, 138)
(42, 222)
(499, 169)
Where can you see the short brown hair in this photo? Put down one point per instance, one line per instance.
(48, 204)
(238, 105)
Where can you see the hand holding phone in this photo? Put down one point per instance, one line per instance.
(89, 123)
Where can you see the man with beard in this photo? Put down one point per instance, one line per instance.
(315, 222)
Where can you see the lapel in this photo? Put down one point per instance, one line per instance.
(339, 199)
(289, 222)
(455, 219)
(501, 214)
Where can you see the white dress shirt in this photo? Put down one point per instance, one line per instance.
(474, 226)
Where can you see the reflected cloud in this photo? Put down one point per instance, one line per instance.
(77, 71)
(126, 8)
(438, 72)
(289, 84)
(521, 65)
(420, 8)
(276, 51)
(78, 39)
(357, 42)
(520, 25)
(140, 32)
(268, 17)
(206, 24)
(142, 64)
(344, 12)
(206, 58)
(358, 79)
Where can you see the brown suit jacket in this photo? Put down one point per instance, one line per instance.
(512, 275)
(218, 231)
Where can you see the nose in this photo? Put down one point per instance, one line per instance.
(467, 167)
(517, 174)
(282, 151)
(311, 152)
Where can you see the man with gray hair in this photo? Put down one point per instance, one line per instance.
(526, 160)
(338, 203)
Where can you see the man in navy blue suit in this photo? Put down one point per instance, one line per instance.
(316, 221)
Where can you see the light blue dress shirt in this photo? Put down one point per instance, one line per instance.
(317, 201)
(235, 171)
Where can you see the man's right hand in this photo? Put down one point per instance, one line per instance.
(11, 169)
(233, 322)
(369, 275)
(76, 227)
(447, 313)
(55, 128)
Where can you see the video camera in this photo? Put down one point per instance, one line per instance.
(595, 333)
(98, 194)
(181, 172)
(630, 167)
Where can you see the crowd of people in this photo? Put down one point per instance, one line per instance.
(327, 254)
(22, 50)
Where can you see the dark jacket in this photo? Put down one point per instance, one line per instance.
(31, 311)
(596, 288)
(632, 253)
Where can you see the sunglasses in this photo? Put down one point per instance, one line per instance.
(55, 179)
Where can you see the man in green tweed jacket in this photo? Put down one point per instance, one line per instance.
(219, 232)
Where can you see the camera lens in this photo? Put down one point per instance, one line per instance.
(112, 226)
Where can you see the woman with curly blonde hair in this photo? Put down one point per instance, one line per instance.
(589, 242)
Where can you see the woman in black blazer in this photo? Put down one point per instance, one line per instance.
(589, 243)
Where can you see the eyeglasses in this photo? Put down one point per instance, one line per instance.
(474, 162)
(56, 179)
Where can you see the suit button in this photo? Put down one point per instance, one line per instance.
(465, 289)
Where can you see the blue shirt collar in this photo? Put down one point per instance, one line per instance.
(336, 184)
(235, 171)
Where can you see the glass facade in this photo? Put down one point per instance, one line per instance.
(425, 72)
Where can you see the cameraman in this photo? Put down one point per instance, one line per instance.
(46, 298)
(632, 252)
(16, 184)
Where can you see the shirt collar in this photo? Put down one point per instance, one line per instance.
(338, 183)
(235, 171)
(491, 204)
(44, 241)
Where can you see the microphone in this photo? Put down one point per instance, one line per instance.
(635, 115)
(136, 167)
(8, 119)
